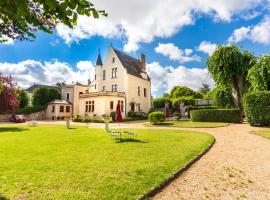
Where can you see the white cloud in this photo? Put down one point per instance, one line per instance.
(239, 34)
(86, 28)
(142, 21)
(176, 54)
(9, 41)
(165, 78)
(207, 47)
(259, 33)
(29, 71)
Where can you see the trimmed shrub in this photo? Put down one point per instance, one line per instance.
(137, 115)
(77, 118)
(156, 117)
(216, 115)
(88, 120)
(257, 107)
(30, 109)
(190, 108)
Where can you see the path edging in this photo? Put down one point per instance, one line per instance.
(151, 193)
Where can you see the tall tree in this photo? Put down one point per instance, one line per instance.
(8, 100)
(229, 67)
(205, 88)
(20, 19)
(180, 91)
(44, 95)
(23, 99)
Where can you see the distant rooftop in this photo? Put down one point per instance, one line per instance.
(34, 86)
(59, 101)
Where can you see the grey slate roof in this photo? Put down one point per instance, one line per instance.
(99, 60)
(131, 64)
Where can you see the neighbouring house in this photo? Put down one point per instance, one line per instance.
(58, 109)
(119, 78)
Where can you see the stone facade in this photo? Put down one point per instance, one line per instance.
(121, 78)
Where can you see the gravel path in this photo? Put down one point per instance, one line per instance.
(237, 167)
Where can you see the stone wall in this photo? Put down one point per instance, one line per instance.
(33, 116)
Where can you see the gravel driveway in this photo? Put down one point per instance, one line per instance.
(237, 167)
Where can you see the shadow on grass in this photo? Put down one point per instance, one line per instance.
(164, 124)
(123, 140)
(3, 198)
(12, 129)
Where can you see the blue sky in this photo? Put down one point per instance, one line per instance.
(176, 43)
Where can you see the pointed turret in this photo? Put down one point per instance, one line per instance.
(99, 60)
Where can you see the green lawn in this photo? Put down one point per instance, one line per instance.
(52, 162)
(189, 124)
(264, 133)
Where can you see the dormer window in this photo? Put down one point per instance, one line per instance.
(104, 74)
(114, 72)
(113, 60)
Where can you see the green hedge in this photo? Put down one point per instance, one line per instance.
(78, 118)
(137, 115)
(216, 115)
(30, 109)
(156, 117)
(257, 107)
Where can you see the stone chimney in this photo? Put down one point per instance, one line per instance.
(143, 67)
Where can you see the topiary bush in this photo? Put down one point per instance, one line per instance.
(257, 107)
(216, 115)
(156, 117)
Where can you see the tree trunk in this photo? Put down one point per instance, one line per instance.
(238, 87)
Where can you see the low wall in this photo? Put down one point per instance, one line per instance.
(33, 116)
(5, 117)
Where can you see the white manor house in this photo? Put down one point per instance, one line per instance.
(120, 78)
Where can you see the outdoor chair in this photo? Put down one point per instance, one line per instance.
(115, 133)
(130, 133)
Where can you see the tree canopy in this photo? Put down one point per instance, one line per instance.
(9, 102)
(259, 74)
(44, 95)
(23, 99)
(229, 67)
(205, 88)
(20, 19)
(180, 91)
